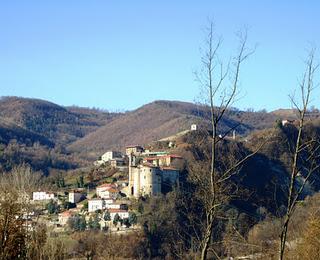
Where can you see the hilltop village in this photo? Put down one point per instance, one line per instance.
(108, 205)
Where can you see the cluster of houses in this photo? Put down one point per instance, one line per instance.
(148, 172)
(106, 198)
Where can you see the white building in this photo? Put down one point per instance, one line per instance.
(116, 205)
(102, 204)
(121, 212)
(110, 155)
(96, 204)
(287, 122)
(42, 195)
(75, 197)
(193, 127)
(107, 190)
(113, 206)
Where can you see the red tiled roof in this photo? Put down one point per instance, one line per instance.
(151, 158)
(67, 213)
(173, 156)
(117, 210)
(106, 185)
(150, 165)
(113, 190)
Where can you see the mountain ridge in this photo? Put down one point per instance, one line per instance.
(90, 132)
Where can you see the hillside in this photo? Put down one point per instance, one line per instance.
(87, 133)
(35, 132)
(10, 131)
(62, 125)
(161, 119)
(262, 180)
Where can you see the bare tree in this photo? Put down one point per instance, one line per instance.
(305, 151)
(220, 84)
(12, 232)
(15, 190)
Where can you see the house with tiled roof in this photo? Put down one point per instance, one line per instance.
(121, 212)
(65, 216)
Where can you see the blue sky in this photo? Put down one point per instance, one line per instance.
(123, 54)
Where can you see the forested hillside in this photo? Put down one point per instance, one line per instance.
(87, 133)
(62, 125)
(35, 132)
(160, 119)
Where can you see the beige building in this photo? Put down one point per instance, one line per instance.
(162, 160)
(134, 150)
(116, 162)
(144, 180)
(148, 177)
(107, 189)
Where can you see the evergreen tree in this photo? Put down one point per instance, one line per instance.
(107, 216)
(82, 223)
(132, 218)
(52, 207)
(90, 223)
(94, 223)
(126, 222)
(81, 182)
(116, 219)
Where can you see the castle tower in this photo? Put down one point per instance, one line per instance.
(132, 175)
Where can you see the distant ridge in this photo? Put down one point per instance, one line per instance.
(161, 119)
(90, 132)
(62, 125)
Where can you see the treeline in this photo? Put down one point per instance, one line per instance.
(39, 157)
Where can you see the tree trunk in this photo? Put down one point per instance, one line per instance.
(207, 239)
